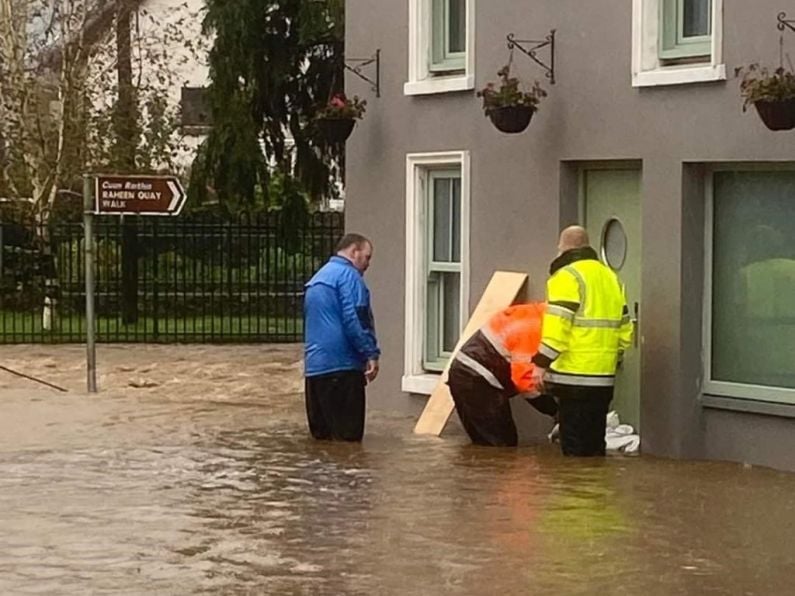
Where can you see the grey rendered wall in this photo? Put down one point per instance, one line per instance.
(522, 193)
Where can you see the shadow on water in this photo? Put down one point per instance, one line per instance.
(140, 496)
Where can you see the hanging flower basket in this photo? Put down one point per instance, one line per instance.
(336, 130)
(337, 119)
(511, 119)
(772, 94)
(508, 107)
(777, 115)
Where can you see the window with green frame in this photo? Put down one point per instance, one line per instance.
(686, 29)
(448, 35)
(753, 285)
(443, 268)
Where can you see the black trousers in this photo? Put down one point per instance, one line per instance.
(335, 405)
(583, 411)
(485, 411)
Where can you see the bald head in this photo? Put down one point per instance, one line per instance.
(571, 238)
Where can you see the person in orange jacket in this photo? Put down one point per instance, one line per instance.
(494, 365)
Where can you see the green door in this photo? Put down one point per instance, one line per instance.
(611, 207)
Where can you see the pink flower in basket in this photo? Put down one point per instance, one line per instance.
(340, 107)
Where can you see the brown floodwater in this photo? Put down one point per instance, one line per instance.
(127, 493)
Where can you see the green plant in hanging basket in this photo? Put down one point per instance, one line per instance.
(771, 93)
(338, 117)
(509, 107)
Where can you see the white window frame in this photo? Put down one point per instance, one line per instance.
(648, 70)
(421, 80)
(418, 167)
(743, 391)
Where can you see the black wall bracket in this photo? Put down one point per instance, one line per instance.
(785, 23)
(356, 65)
(530, 48)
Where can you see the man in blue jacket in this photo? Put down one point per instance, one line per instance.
(340, 348)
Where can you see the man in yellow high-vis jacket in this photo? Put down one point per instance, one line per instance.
(585, 331)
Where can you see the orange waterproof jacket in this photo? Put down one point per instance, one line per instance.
(503, 349)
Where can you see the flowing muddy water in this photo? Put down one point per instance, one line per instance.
(192, 473)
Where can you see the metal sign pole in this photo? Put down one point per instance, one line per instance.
(125, 194)
(88, 225)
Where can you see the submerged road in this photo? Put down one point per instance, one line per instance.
(175, 493)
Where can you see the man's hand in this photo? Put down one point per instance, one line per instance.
(371, 372)
(538, 378)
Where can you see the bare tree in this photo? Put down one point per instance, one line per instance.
(41, 107)
(61, 114)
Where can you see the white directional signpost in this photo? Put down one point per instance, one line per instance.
(120, 195)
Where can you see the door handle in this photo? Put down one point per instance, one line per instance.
(635, 325)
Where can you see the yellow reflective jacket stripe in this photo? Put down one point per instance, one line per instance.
(583, 380)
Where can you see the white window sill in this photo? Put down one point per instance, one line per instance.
(679, 75)
(419, 384)
(439, 85)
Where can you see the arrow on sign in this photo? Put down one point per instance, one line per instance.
(179, 196)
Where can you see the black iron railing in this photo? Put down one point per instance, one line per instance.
(198, 279)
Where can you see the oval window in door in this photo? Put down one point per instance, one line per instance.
(614, 244)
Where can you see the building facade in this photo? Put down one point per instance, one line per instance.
(642, 138)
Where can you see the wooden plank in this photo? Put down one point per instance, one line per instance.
(503, 290)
